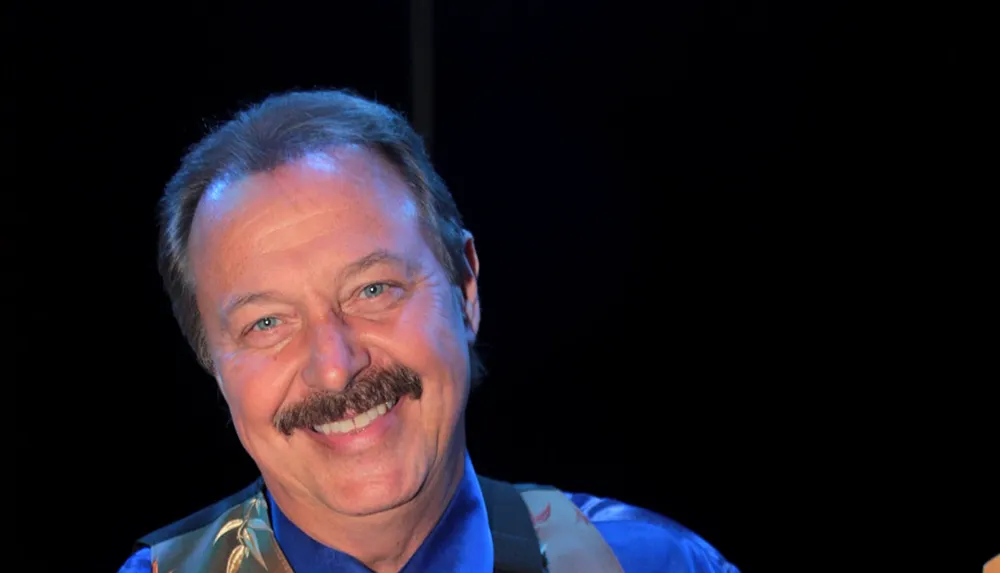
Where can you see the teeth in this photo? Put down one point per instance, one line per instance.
(357, 422)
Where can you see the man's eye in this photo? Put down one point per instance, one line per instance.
(373, 290)
(266, 323)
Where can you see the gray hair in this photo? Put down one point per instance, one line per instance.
(280, 130)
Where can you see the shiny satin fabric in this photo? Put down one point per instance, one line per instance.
(569, 541)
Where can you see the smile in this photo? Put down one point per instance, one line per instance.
(357, 422)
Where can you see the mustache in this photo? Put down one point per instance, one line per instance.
(364, 392)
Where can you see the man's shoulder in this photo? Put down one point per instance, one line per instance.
(644, 540)
(202, 517)
(140, 562)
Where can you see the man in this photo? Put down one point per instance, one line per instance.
(320, 269)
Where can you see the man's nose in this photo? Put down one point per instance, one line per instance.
(334, 357)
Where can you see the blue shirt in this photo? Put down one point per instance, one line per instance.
(643, 541)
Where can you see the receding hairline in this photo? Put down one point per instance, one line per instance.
(276, 131)
(365, 166)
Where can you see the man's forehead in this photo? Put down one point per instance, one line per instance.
(346, 203)
(348, 173)
(336, 206)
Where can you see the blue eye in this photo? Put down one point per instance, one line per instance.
(266, 323)
(373, 290)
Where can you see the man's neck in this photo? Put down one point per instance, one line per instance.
(384, 542)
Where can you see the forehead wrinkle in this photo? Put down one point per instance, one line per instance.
(261, 239)
(219, 210)
(300, 187)
(356, 169)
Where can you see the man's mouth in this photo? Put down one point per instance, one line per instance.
(358, 422)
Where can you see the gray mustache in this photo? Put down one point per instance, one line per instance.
(368, 390)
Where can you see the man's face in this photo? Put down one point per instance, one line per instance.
(321, 299)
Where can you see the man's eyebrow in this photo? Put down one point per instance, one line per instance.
(239, 301)
(375, 258)
(372, 259)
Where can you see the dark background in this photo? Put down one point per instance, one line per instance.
(644, 184)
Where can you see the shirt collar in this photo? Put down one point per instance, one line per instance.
(460, 541)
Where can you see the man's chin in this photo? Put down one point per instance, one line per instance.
(368, 501)
(375, 485)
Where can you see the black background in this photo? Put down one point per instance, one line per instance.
(643, 184)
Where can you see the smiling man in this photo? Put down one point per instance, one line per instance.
(321, 271)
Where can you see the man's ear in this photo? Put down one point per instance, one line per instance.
(470, 285)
